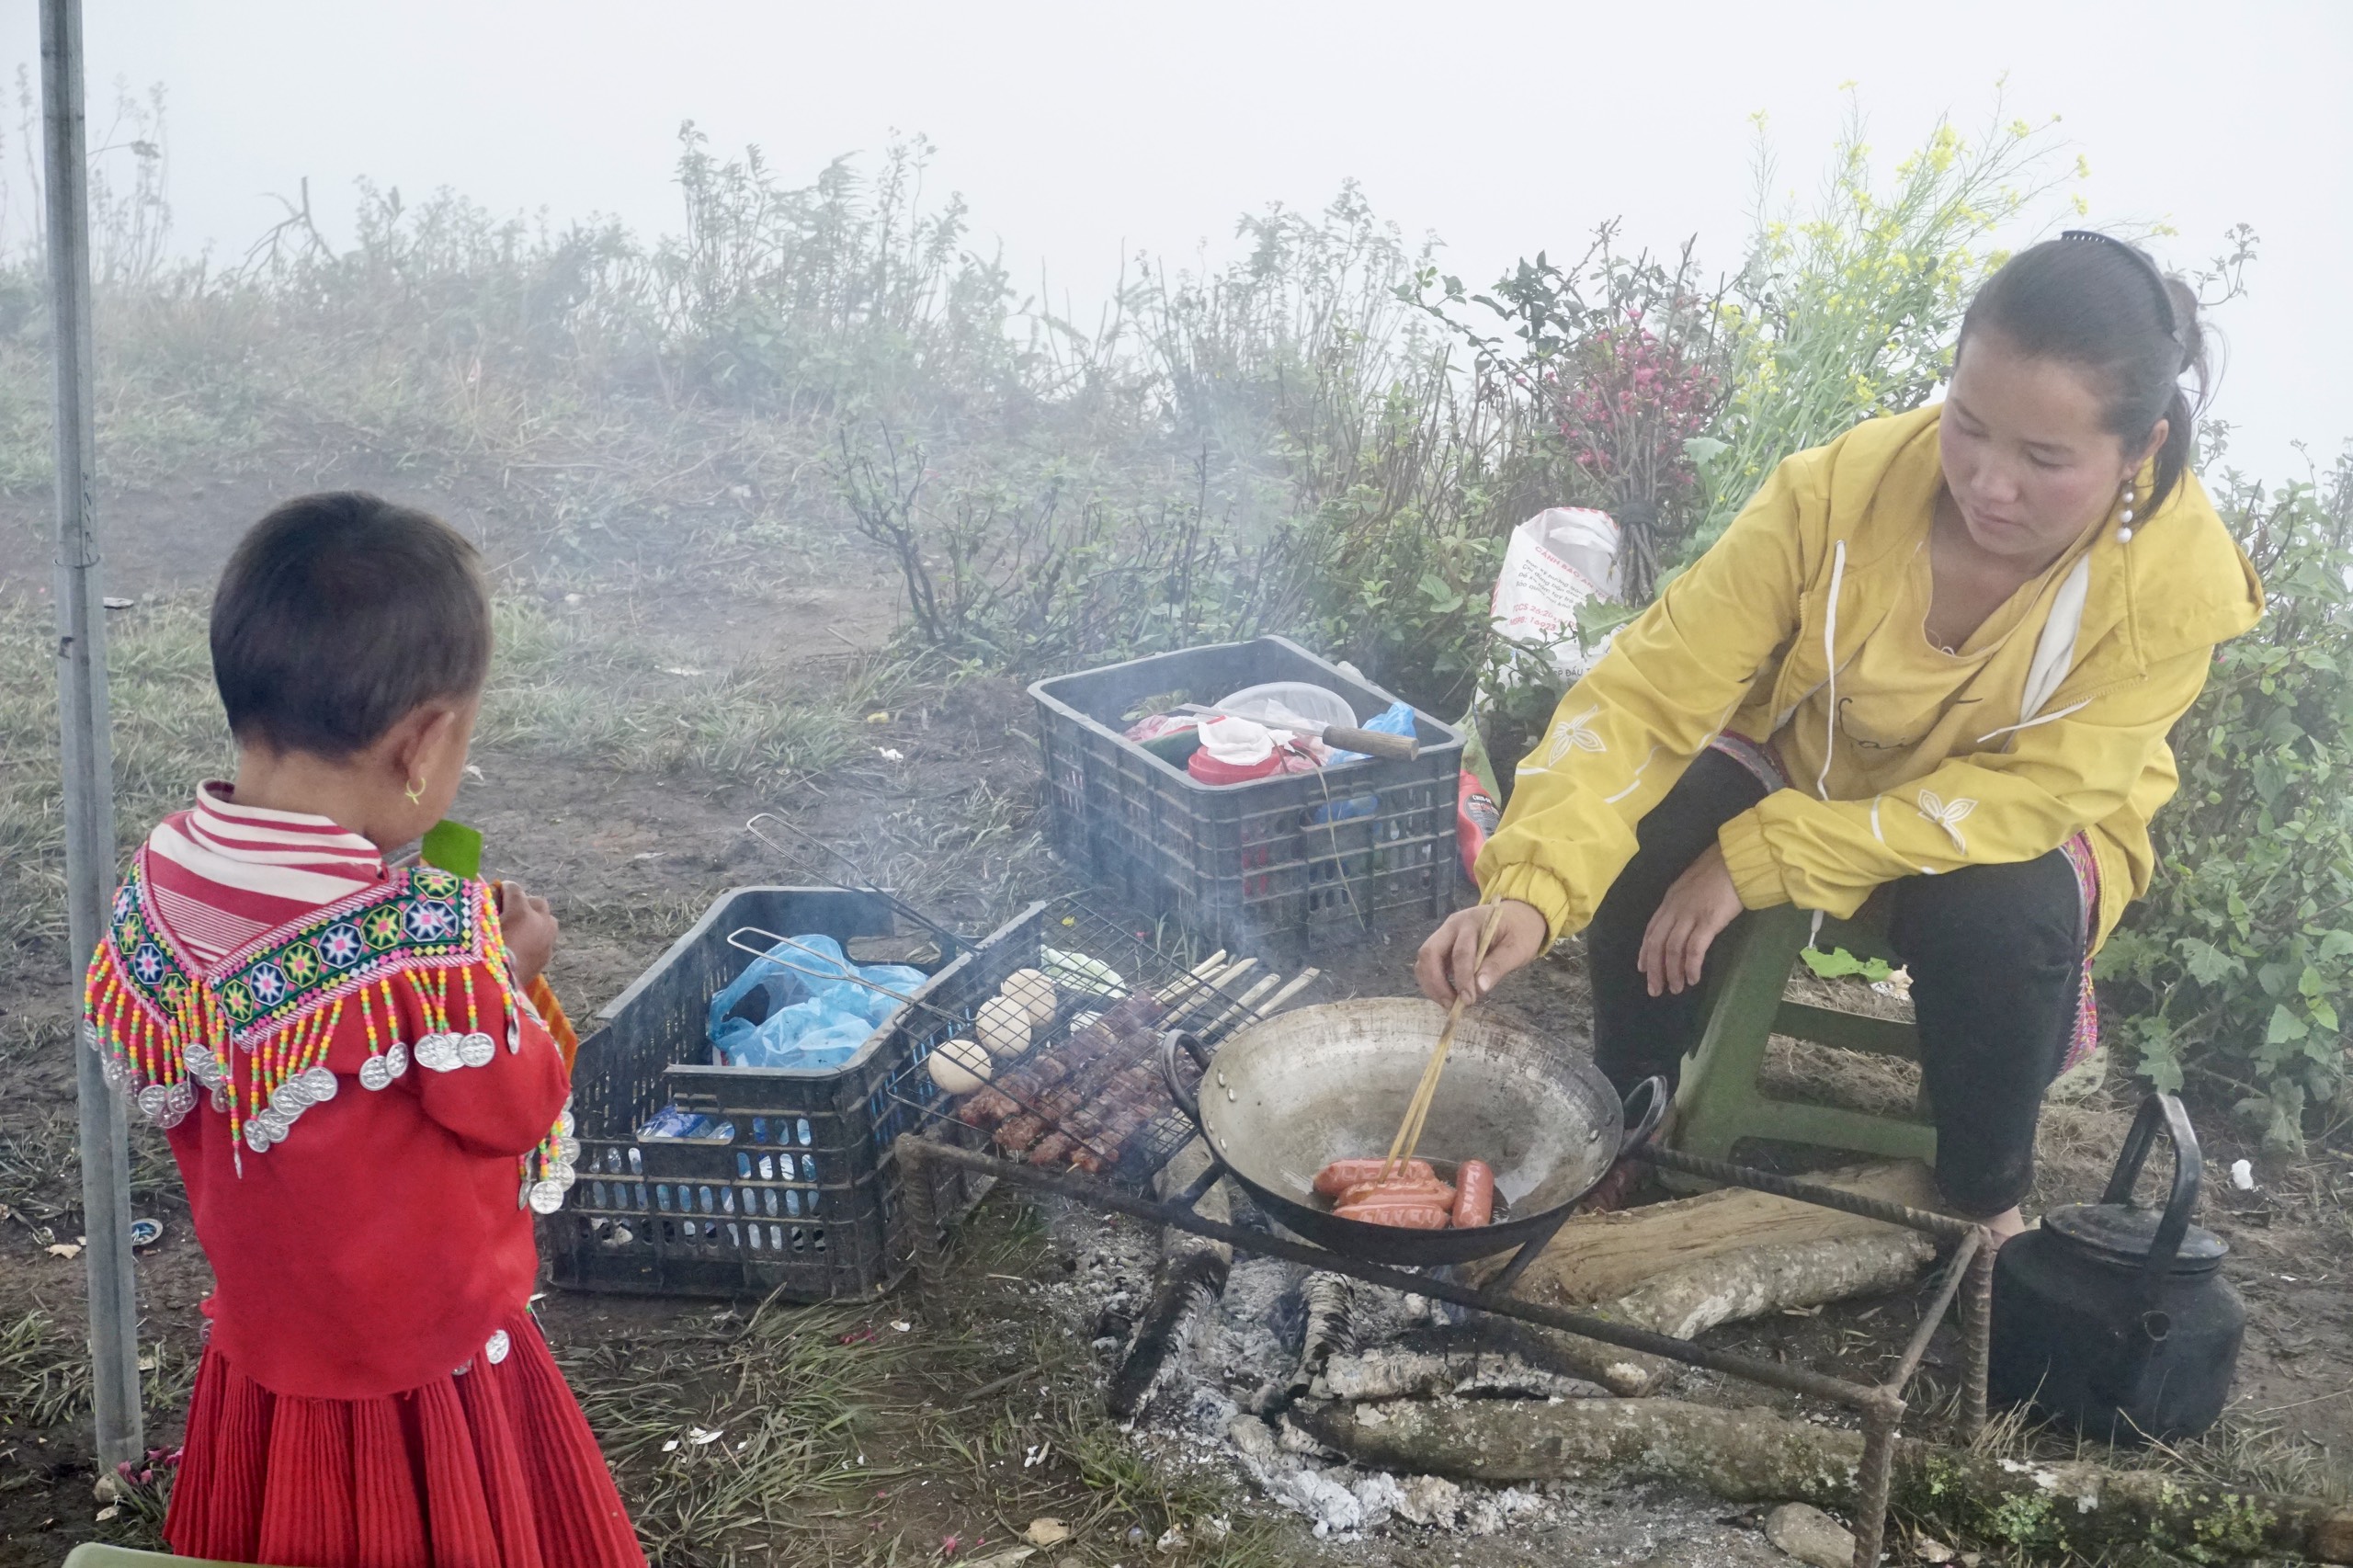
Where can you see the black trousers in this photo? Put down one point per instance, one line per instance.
(1995, 954)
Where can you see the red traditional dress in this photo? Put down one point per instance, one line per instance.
(365, 1111)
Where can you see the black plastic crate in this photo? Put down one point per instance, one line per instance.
(800, 1195)
(1283, 861)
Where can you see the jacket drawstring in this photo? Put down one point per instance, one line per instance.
(1830, 660)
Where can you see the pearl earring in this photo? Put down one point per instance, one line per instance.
(2124, 515)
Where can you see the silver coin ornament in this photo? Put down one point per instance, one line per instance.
(321, 1082)
(438, 1053)
(564, 1122)
(477, 1050)
(547, 1197)
(114, 1071)
(291, 1097)
(220, 1100)
(396, 1059)
(567, 1149)
(376, 1074)
(495, 1351)
(151, 1100)
(257, 1137)
(276, 1122)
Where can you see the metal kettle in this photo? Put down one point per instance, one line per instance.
(2116, 1316)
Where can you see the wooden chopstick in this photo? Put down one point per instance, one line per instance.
(1409, 1132)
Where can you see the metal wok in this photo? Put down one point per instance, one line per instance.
(1281, 1099)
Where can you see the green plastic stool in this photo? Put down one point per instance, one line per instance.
(97, 1554)
(1720, 1102)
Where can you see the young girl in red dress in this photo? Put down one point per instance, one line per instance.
(364, 1105)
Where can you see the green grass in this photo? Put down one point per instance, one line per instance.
(561, 688)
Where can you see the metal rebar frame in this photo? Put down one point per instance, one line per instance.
(1967, 1281)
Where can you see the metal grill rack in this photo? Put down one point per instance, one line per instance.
(1084, 1093)
(1964, 1289)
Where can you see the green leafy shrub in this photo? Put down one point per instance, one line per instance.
(2238, 967)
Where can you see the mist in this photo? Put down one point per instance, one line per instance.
(1084, 135)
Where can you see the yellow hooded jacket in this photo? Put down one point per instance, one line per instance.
(2066, 730)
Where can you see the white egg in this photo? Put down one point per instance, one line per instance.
(960, 1066)
(1003, 1026)
(1034, 992)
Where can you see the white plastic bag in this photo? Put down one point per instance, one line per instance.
(1556, 561)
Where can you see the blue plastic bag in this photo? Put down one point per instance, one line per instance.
(818, 1013)
(779, 974)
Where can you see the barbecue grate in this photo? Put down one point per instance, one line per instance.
(1086, 1092)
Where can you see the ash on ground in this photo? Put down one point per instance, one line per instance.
(1225, 1371)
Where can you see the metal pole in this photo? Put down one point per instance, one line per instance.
(85, 747)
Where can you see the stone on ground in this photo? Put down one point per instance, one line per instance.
(1808, 1534)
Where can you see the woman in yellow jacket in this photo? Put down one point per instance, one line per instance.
(1940, 656)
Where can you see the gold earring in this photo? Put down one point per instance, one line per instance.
(415, 792)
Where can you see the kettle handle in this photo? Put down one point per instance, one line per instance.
(2187, 1169)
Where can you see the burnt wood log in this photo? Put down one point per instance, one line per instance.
(2075, 1507)
(1190, 1280)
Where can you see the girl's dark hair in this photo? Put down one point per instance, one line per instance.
(2093, 299)
(338, 615)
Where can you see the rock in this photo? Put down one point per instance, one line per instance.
(1927, 1549)
(1808, 1534)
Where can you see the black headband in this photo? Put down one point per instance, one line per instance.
(2148, 265)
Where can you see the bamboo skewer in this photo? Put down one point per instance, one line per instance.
(1409, 1132)
(1243, 1003)
(1193, 986)
(1213, 991)
(1298, 983)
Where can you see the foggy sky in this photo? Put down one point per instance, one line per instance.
(1082, 133)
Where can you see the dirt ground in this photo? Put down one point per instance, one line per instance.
(631, 855)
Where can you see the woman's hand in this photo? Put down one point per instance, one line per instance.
(1444, 966)
(1696, 909)
(530, 929)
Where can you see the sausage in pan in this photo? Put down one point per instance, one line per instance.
(1429, 1190)
(1341, 1174)
(1474, 1198)
(1411, 1217)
